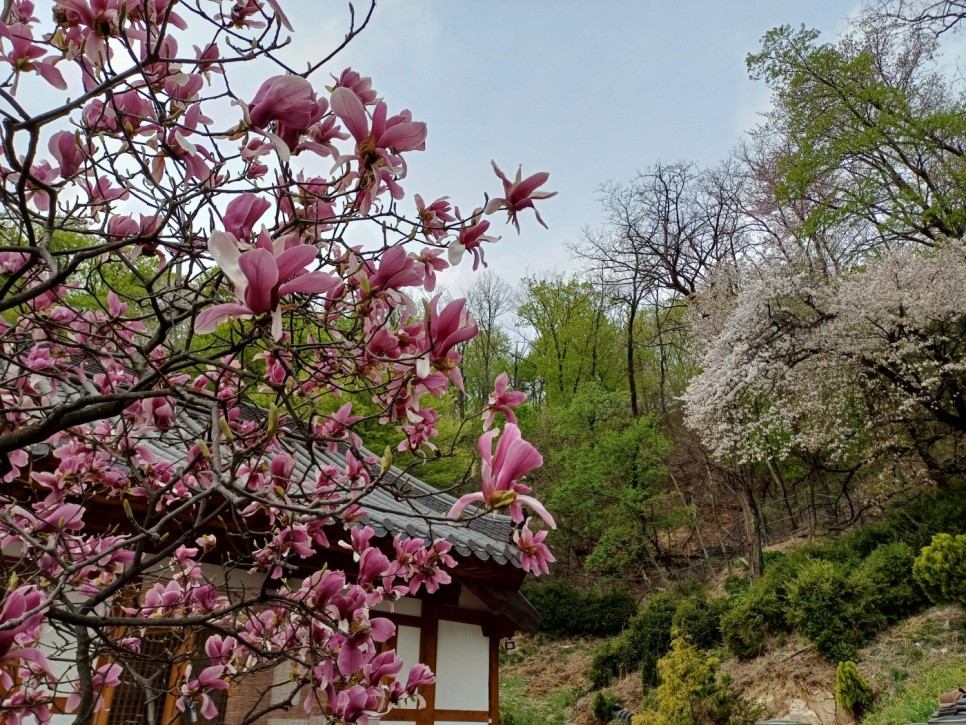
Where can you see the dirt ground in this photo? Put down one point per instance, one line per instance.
(790, 680)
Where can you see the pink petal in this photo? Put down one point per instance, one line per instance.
(506, 181)
(404, 137)
(540, 511)
(351, 659)
(52, 75)
(208, 321)
(259, 266)
(382, 629)
(347, 106)
(311, 283)
(280, 15)
(463, 502)
(528, 185)
(294, 260)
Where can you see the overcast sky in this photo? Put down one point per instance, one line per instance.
(589, 91)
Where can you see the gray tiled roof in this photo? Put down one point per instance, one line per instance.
(402, 504)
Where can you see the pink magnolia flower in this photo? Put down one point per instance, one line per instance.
(22, 11)
(27, 703)
(13, 636)
(502, 402)
(108, 675)
(431, 262)
(261, 277)
(338, 426)
(534, 554)
(385, 664)
(377, 145)
(434, 217)
(396, 270)
(25, 56)
(200, 688)
(470, 239)
(444, 331)
(290, 103)
(66, 148)
(355, 705)
(243, 213)
(501, 471)
(358, 84)
(519, 194)
(358, 645)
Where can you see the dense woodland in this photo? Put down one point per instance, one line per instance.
(769, 346)
(769, 349)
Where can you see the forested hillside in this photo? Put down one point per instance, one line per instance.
(768, 350)
(773, 346)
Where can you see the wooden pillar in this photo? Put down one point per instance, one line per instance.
(495, 680)
(428, 647)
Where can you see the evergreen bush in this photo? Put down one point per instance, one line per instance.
(698, 619)
(607, 662)
(852, 692)
(866, 539)
(918, 521)
(940, 569)
(649, 634)
(744, 630)
(889, 570)
(834, 611)
(692, 693)
(605, 704)
(736, 585)
(569, 611)
(759, 611)
(640, 646)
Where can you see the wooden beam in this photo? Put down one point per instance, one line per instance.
(428, 648)
(462, 715)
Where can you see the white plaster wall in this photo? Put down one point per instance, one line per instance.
(468, 600)
(407, 649)
(462, 667)
(59, 648)
(406, 605)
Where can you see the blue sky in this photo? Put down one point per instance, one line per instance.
(589, 91)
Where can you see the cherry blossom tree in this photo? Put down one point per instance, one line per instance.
(866, 366)
(188, 290)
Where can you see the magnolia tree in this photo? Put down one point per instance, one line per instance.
(189, 276)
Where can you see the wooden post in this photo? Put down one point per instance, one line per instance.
(428, 647)
(495, 680)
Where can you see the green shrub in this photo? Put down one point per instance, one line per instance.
(640, 646)
(692, 693)
(940, 569)
(834, 611)
(649, 633)
(837, 550)
(918, 521)
(866, 539)
(607, 662)
(758, 612)
(852, 692)
(736, 585)
(605, 705)
(698, 619)
(567, 610)
(889, 570)
(770, 557)
(744, 631)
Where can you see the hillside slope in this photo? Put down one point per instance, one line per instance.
(543, 680)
